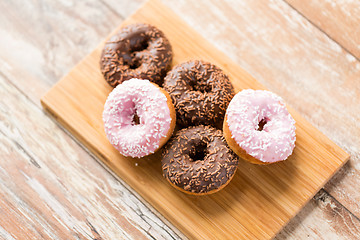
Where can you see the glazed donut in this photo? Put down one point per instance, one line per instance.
(137, 51)
(198, 161)
(200, 92)
(139, 118)
(259, 128)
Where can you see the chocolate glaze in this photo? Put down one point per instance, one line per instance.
(181, 166)
(200, 92)
(136, 51)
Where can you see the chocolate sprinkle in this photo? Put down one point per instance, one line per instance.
(200, 176)
(136, 51)
(200, 92)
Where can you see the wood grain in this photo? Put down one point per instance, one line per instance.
(40, 50)
(52, 189)
(229, 213)
(40, 162)
(338, 19)
(293, 58)
(344, 225)
(42, 40)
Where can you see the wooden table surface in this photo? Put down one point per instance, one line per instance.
(308, 52)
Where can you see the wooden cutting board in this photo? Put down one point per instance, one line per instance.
(259, 200)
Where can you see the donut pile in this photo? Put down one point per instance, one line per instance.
(140, 116)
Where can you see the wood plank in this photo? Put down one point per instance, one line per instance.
(36, 50)
(340, 20)
(294, 59)
(324, 210)
(65, 44)
(277, 199)
(51, 49)
(50, 188)
(67, 48)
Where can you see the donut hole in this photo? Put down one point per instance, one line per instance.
(136, 119)
(139, 46)
(197, 86)
(198, 151)
(261, 124)
(134, 64)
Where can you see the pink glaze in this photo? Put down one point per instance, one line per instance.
(277, 139)
(150, 105)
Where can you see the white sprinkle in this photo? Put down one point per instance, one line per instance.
(150, 104)
(246, 110)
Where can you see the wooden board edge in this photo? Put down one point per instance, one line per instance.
(101, 159)
(105, 164)
(311, 197)
(113, 171)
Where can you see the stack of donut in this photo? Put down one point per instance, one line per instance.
(140, 116)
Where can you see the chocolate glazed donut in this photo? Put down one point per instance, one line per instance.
(198, 161)
(137, 51)
(200, 92)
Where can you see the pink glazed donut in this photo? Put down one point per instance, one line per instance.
(259, 128)
(139, 117)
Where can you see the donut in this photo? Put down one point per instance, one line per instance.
(200, 92)
(136, 51)
(259, 128)
(139, 118)
(198, 161)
